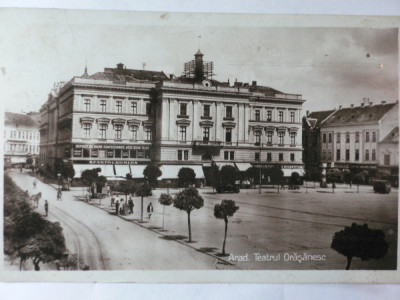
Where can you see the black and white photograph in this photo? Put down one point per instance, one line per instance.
(148, 142)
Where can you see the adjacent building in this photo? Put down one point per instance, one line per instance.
(21, 138)
(388, 155)
(122, 119)
(349, 138)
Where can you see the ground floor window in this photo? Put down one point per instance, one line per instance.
(280, 156)
(269, 156)
(291, 156)
(183, 154)
(257, 156)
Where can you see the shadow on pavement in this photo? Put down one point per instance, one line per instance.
(173, 237)
(207, 249)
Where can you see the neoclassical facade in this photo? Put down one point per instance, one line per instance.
(121, 119)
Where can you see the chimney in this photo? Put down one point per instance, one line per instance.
(340, 107)
(370, 103)
(171, 76)
(254, 83)
(351, 105)
(199, 67)
(120, 66)
(383, 102)
(307, 112)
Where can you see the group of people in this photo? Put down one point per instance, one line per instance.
(123, 207)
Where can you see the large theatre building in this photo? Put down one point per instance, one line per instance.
(122, 119)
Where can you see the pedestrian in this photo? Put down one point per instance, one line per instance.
(282, 185)
(108, 190)
(150, 209)
(116, 206)
(112, 201)
(131, 205)
(34, 184)
(59, 194)
(46, 207)
(350, 183)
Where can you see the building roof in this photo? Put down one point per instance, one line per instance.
(189, 80)
(267, 91)
(13, 119)
(120, 74)
(359, 114)
(315, 118)
(392, 137)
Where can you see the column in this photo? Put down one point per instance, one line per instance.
(218, 122)
(164, 119)
(195, 121)
(172, 124)
(246, 122)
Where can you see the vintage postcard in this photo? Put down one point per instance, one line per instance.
(177, 147)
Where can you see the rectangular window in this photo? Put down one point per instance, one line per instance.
(357, 137)
(206, 111)
(102, 153)
(103, 131)
(367, 137)
(280, 156)
(291, 156)
(119, 107)
(373, 155)
(257, 135)
(23, 134)
(257, 156)
(347, 154)
(386, 159)
(329, 138)
(269, 115)
(329, 154)
(324, 138)
(357, 155)
(281, 116)
(338, 138)
(269, 156)
(293, 138)
(186, 155)
(281, 136)
(95, 153)
(226, 155)
(206, 134)
(180, 155)
(366, 154)
(347, 137)
(132, 154)
(232, 155)
(86, 153)
(110, 153)
(118, 131)
(373, 137)
(134, 107)
(117, 153)
(183, 109)
(125, 153)
(292, 116)
(228, 135)
(86, 130)
(103, 105)
(182, 131)
(133, 130)
(228, 112)
(87, 104)
(269, 137)
(323, 154)
(257, 115)
(19, 134)
(148, 109)
(148, 133)
(337, 154)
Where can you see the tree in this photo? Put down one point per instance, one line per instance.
(126, 187)
(222, 211)
(334, 175)
(295, 178)
(186, 177)
(29, 161)
(165, 199)
(188, 200)
(253, 174)
(46, 246)
(68, 172)
(90, 176)
(214, 176)
(227, 175)
(360, 241)
(151, 173)
(143, 190)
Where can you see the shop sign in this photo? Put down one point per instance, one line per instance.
(121, 147)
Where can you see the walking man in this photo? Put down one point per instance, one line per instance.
(116, 206)
(131, 205)
(34, 184)
(46, 207)
(150, 209)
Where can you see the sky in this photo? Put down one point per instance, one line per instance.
(328, 66)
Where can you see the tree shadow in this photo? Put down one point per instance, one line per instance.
(325, 192)
(222, 255)
(207, 249)
(154, 227)
(173, 237)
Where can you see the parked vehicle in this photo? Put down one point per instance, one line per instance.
(382, 186)
(229, 188)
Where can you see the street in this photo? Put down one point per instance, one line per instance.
(106, 242)
(282, 226)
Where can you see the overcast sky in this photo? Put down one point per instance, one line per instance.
(328, 66)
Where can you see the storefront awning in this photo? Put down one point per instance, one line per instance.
(17, 160)
(108, 171)
(171, 171)
(137, 171)
(122, 170)
(288, 172)
(242, 166)
(221, 164)
(80, 168)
